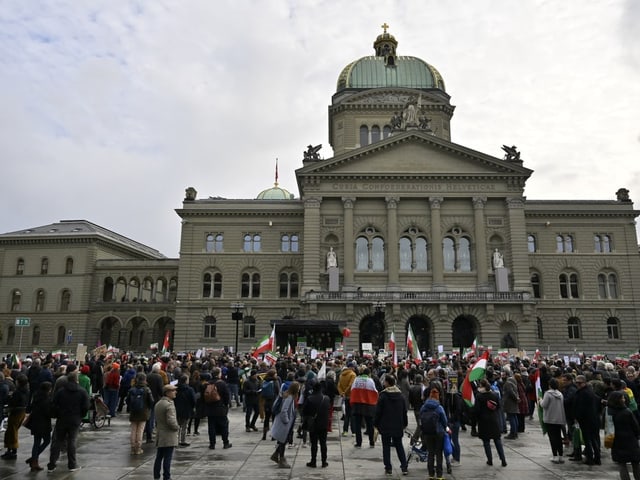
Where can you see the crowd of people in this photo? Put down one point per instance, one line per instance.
(167, 397)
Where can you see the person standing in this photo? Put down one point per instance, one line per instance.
(364, 398)
(433, 425)
(345, 381)
(554, 419)
(155, 382)
(17, 406)
(391, 419)
(487, 411)
(587, 413)
(112, 388)
(185, 403)
(316, 410)
(233, 382)
(283, 423)
(40, 423)
(216, 412)
(269, 389)
(166, 432)
(625, 447)
(70, 405)
(510, 399)
(250, 389)
(139, 405)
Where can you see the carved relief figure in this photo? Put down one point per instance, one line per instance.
(332, 259)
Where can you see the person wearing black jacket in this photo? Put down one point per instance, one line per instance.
(391, 419)
(587, 413)
(625, 443)
(316, 410)
(216, 412)
(17, 406)
(185, 403)
(40, 423)
(70, 404)
(250, 389)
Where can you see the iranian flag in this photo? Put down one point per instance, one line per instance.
(265, 344)
(474, 374)
(471, 351)
(412, 347)
(392, 346)
(289, 350)
(165, 342)
(539, 395)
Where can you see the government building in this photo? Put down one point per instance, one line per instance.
(396, 227)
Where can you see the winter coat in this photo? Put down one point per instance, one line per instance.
(523, 402)
(569, 395)
(19, 400)
(70, 404)
(553, 407)
(40, 413)
(316, 407)
(432, 404)
(488, 421)
(625, 443)
(391, 412)
(156, 384)
(145, 414)
(166, 423)
(364, 396)
(345, 381)
(510, 396)
(250, 389)
(587, 409)
(283, 422)
(221, 407)
(185, 401)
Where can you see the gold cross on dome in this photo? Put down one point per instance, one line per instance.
(384, 26)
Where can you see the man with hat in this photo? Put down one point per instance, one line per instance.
(166, 432)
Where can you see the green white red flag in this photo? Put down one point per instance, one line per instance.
(474, 374)
(165, 342)
(266, 344)
(394, 351)
(412, 346)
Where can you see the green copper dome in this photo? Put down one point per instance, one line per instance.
(275, 193)
(386, 69)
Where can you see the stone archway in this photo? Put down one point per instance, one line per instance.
(372, 330)
(463, 331)
(422, 330)
(508, 335)
(109, 328)
(164, 324)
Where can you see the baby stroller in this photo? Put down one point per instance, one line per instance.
(416, 450)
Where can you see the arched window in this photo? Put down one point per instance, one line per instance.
(377, 254)
(147, 289)
(20, 267)
(569, 285)
(386, 131)
(289, 285)
(613, 328)
(248, 327)
(209, 244)
(134, 289)
(531, 243)
(607, 285)
(214, 242)
(536, 285)
(35, 335)
(564, 243)
(574, 328)
(362, 254)
(370, 251)
(252, 243)
(62, 335)
(413, 251)
(456, 251)
(16, 298)
(161, 290)
(289, 243)
(44, 266)
(602, 243)
(68, 267)
(40, 299)
(209, 327)
(212, 285)
(250, 285)
(375, 134)
(364, 136)
(65, 300)
(173, 290)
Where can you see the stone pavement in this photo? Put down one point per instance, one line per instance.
(104, 455)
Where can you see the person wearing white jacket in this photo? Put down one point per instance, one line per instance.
(554, 419)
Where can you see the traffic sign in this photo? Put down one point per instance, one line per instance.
(23, 322)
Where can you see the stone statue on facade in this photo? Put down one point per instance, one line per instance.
(312, 153)
(396, 121)
(190, 194)
(511, 153)
(410, 114)
(498, 259)
(332, 259)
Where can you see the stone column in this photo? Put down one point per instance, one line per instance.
(393, 260)
(349, 248)
(481, 242)
(519, 252)
(437, 266)
(312, 261)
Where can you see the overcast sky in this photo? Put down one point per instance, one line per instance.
(110, 109)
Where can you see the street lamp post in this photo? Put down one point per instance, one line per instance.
(236, 315)
(379, 315)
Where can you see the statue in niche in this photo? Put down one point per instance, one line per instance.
(332, 259)
(498, 259)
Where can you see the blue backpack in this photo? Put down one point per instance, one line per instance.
(268, 389)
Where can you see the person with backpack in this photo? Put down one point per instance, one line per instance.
(433, 425)
(415, 403)
(217, 402)
(268, 393)
(391, 420)
(487, 412)
(139, 405)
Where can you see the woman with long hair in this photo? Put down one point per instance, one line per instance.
(283, 422)
(40, 423)
(554, 419)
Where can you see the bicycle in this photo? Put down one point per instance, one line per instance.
(98, 412)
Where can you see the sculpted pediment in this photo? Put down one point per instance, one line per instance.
(392, 98)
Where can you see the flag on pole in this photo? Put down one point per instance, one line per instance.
(322, 373)
(266, 344)
(165, 342)
(15, 361)
(536, 356)
(474, 374)
(467, 353)
(412, 346)
(289, 350)
(539, 395)
(394, 351)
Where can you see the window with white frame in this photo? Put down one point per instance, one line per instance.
(569, 286)
(209, 325)
(613, 328)
(574, 328)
